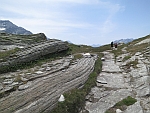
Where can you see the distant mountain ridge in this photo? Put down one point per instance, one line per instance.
(116, 41)
(8, 27)
(124, 40)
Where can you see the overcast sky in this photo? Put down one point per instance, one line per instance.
(80, 21)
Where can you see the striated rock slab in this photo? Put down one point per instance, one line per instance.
(42, 94)
(34, 52)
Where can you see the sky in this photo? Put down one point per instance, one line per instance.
(80, 21)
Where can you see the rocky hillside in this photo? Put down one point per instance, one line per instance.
(26, 48)
(35, 72)
(45, 80)
(123, 86)
(8, 27)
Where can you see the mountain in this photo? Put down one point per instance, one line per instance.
(8, 27)
(124, 40)
(95, 45)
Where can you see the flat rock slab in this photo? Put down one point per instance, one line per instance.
(109, 64)
(110, 67)
(108, 101)
(113, 80)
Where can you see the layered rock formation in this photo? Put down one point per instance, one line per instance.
(34, 52)
(41, 88)
(38, 89)
(28, 50)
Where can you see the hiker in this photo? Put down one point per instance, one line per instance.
(116, 45)
(112, 44)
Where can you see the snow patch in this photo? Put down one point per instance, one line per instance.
(2, 29)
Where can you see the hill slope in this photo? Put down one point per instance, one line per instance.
(125, 75)
(123, 85)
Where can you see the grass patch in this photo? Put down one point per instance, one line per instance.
(78, 56)
(75, 99)
(31, 64)
(122, 104)
(132, 63)
(5, 54)
(137, 48)
(126, 58)
(127, 101)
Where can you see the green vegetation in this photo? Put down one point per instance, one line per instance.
(40, 61)
(132, 63)
(126, 58)
(133, 48)
(127, 101)
(122, 104)
(79, 48)
(87, 49)
(27, 39)
(75, 99)
(5, 54)
(78, 56)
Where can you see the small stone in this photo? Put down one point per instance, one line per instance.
(102, 59)
(102, 81)
(39, 72)
(119, 60)
(48, 69)
(62, 98)
(23, 87)
(118, 111)
(28, 73)
(137, 54)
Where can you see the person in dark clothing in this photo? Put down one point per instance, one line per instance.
(112, 44)
(116, 45)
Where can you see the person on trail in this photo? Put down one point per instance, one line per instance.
(112, 44)
(116, 45)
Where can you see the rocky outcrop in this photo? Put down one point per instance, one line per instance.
(20, 40)
(41, 88)
(33, 52)
(38, 89)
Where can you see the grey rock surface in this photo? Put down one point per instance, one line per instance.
(41, 91)
(34, 52)
(135, 108)
(115, 83)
